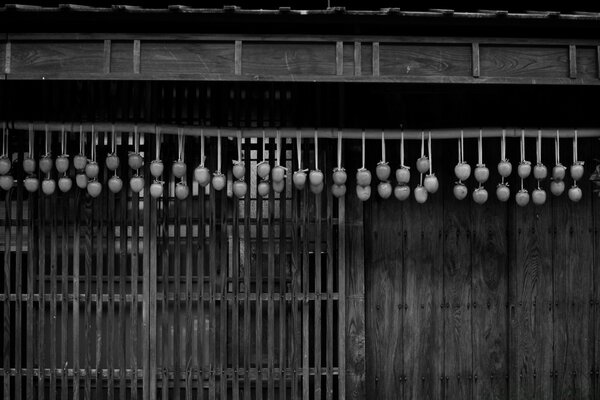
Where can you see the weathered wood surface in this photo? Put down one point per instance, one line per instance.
(300, 58)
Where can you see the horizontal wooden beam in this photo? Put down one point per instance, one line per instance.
(288, 58)
(304, 132)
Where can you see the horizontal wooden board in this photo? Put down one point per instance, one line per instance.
(287, 59)
(524, 61)
(424, 60)
(587, 62)
(67, 57)
(121, 58)
(187, 57)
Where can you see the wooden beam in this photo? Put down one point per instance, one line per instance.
(107, 56)
(375, 58)
(136, 56)
(475, 60)
(339, 58)
(572, 61)
(357, 59)
(238, 57)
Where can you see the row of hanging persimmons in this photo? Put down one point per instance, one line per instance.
(88, 170)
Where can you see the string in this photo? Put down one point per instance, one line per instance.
(31, 141)
(136, 139)
(316, 151)
(363, 149)
(575, 160)
(429, 152)
(402, 148)
(4, 150)
(277, 148)
(81, 140)
(299, 148)
(263, 144)
(179, 144)
(239, 145)
(503, 146)
(422, 143)
(157, 143)
(480, 147)
(383, 146)
(114, 139)
(201, 147)
(459, 151)
(219, 150)
(522, 151)
(557, 147)
(339, 150)
(462, 146)
(63, 140)
(47, 140)
(93, 150)
(538, 150)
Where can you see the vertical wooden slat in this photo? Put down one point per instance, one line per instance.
(357, 59)
(202, 284)
(165, 259)
(475, 64)
(212, 290)
(188, 299)
(318, 356)
(247, 273)
(355, 298)
(283, 253)
(339, 58)
(19, 280)
(270, 288)
(176, 350)
(224, 282)
(135, 249)
(107, 56)
(457, 302)
(67, 222)
(146, 306)
(136, 56)
(7, 57)
(295, 343)
(259, 286)
(32, 258)
(42, 213)
(152, 295)
(111, 332)
(125, 350)
(235, 265)
(489, 259)
(341, 332)
(531, 302)
(572, 61)
(53, 289)
(375, 58)
(88, 252)
(329, 343)
(238, 57)
(305, 238)
(7, 290)
(99, 263)
(76, 298)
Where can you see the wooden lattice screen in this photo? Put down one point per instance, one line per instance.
(126, 297)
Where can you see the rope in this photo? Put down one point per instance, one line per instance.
(136, 139)
(316, 151)
(402, 148)
(480, 148)
(339, 150)
(277, 149)
(299, 148)
(264, 139)
(180, 144)
(31, 140)
(93, 150)
(202, 148)
(383, 146)
(63, 141)
(156, 144)
(522, 152)
(422, 143)
(503, 146)
(539, 151)
(239, 145)
(219, 150)
(575, 160)
(363, 149)
(429, 152)
(4, 141)
(557, 148)
(47, 148)
(81, 140)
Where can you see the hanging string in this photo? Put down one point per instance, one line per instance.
(47, 149)
(402, 148)
(4, 141)
(93, 147)
(181, 145)
(316, 151)
(81, 140)
(339, 150)
(538, 149)
(422, 143)
(136, 139)
(429, 152)
(156, 144)
(480, 147)
(239, 145)
(278, 148)
(219, 150)
(383, 146)
(202, 148)
(264, 139)
(31, 140)
(363, 149)
(575, 147)
(462, 146)
(522, 152)
(557, 148)
(459, 152)
(503, 146)
(114, 140)
(299, 148)
(63, 140)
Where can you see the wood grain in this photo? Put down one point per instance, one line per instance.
(424, 60)
(68, 57)
(525, 61)
(190, 57)
(289, 59)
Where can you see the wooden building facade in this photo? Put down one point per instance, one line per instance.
(297, 295)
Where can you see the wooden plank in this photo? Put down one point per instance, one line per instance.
(189, 317)
(176, 312)
(6, 345)
(200, 57)
(53, 290)
(125, 350)
(341, 255)
(147, 312)
(67, 57)
(384, 303)
(259, 285)
(530, 302)
(112, 333)
(598, 60)
(524, 61)
(224, 288)
(573, 290)
(572, 61)
(425, 60)
(42, 290)
(357, 59)
(284, 364)
(290, 59)
(247, 265)
(135, 265)
(476, 69)
(489, 257)
(295, 342)
(165, 260)
(457, 303)
(235, 312)
(7, 57)
(212, 289)
(318, 282)
(32, 259)
(355, 296)
(423, 321)
(271, 285)
(19, 331)
(99, 213)
(88, 254)
(305, 237)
